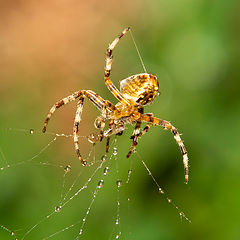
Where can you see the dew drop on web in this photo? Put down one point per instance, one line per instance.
(100, 184)
(67, 169)
(31, 131)
(58, 209)
(115, 151)
(106, 171)
(119, 183)
(104, 158)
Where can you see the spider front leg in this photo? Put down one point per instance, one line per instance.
(167, 125)
(95, 98)
(108, 68)
(59, 104)
(99, 102)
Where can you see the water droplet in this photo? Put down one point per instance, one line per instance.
(104, 158)
(84, 219)
(119, 183)
(12, 233)
(80, 232)
(106, 171)
(169, 200)
(114, 151)
(161, 191)
(100, 183)
(2, 168)
(117, 222)
(129, 171)
(58, 209)
(31, 131)
(67, 169)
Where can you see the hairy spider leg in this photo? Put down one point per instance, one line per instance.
(95, 98)
(145, 129)
(77, 120)
(98, 101)
(137, 134)
(108, 67)
(59, 104)
(134, 138)
(108, 137)
(107, 144)
(167, 125)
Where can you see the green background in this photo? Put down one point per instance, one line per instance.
(50, 49)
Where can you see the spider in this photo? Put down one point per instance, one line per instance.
(135, 92)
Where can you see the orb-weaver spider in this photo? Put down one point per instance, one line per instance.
(135, 92)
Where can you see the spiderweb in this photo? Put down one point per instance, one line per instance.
(66, 200)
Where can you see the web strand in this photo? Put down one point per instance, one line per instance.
(169, 200)
(139, 55)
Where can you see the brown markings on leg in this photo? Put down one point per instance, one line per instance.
(168, 125)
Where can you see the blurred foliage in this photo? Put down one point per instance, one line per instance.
(52, 48)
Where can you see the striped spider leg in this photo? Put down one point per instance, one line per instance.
(137, 133)
(108, 68)
(134, 138)
(98, 101)
(166, 125)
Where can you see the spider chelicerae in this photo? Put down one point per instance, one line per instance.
(135, 92)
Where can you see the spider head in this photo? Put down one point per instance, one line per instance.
(140, 89)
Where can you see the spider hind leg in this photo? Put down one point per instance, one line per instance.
(167, 125)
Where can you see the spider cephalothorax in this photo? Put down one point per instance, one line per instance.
(135, 92)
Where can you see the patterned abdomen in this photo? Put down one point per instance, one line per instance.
(140, 89)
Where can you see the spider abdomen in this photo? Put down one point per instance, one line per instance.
(140, 89)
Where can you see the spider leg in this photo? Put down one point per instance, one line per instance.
(107, 144)
(137, 133)
(59, 104)
(167, 125)
(108, 67)
(134, 138)
(95, 98)
(108, 137)
(99, 102)
(145, 129)
(77, 120)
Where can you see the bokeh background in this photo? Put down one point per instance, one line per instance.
(51, 48)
